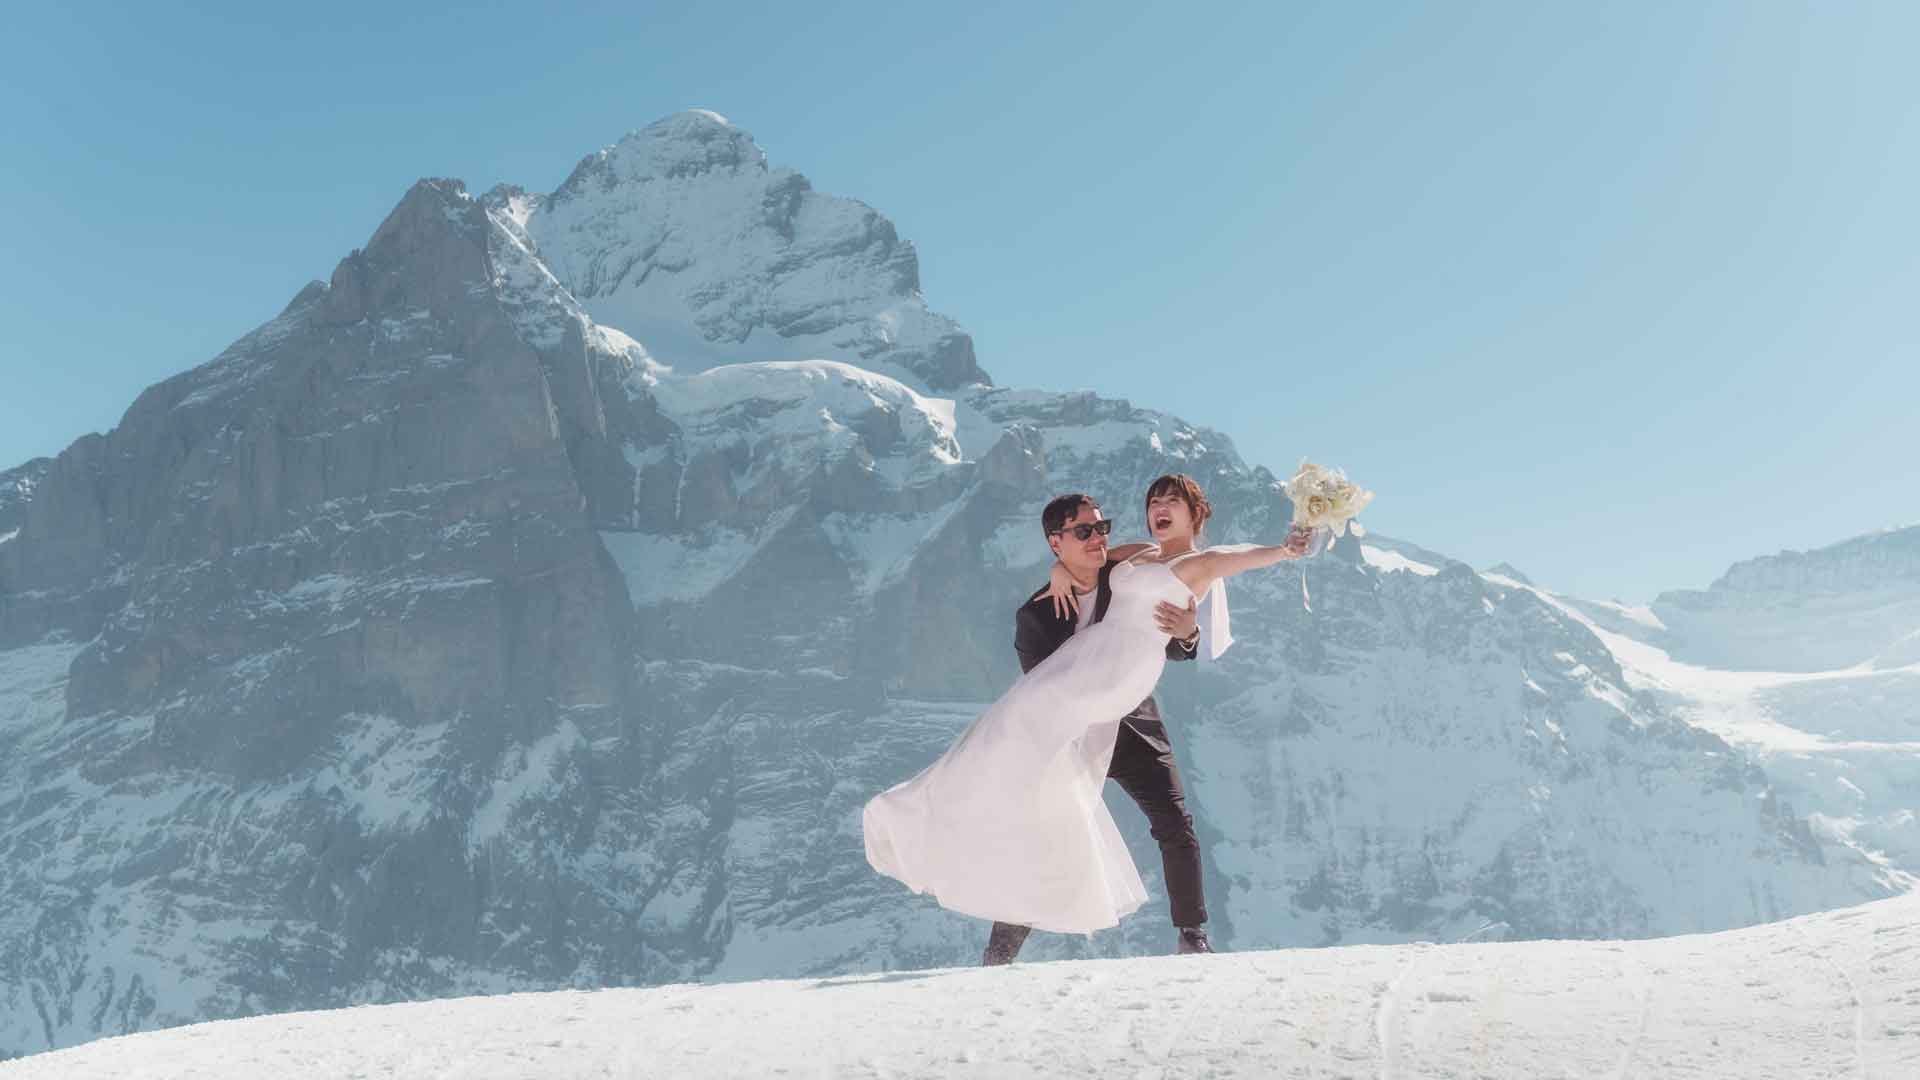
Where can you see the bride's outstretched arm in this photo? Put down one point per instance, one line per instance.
(1201, 571)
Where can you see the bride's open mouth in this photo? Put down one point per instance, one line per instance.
(1160, 524)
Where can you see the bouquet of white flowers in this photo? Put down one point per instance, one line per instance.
(1324, 498)
(1325, 501)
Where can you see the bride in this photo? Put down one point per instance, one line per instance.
(1009, 823)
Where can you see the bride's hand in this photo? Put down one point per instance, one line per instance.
(1066, 602)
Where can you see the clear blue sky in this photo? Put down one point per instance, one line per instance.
(1619, 293)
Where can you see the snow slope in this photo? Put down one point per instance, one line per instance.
(1830, 995)
(1842, 744)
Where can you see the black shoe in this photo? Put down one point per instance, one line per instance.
(1193, 939)
(1004, 944)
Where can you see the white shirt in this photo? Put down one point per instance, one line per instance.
(1086, 607)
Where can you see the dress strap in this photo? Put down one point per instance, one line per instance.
(1142, 559)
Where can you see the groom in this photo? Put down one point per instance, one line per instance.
(1142, 757)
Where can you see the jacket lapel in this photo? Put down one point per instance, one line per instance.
(1103, 593)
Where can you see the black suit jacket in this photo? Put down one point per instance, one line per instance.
(1037, 632)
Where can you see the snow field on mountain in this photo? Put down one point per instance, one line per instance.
(814, 403)
(1393, 561)
(1844, 744)
(1830, 995)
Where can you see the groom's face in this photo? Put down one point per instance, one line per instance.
(1080, 555)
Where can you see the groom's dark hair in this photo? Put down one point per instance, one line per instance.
(1063, 508)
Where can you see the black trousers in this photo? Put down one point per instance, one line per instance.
(1143, 767)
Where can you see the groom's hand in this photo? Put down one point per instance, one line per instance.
(1176, 622)
(1066, 602)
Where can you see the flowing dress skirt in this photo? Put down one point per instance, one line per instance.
(1009, 824)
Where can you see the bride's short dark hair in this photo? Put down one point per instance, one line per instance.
(1062, 508)
(1188, 490)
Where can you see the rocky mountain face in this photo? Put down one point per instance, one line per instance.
(16, 490)
(535, 603)
(273, 629)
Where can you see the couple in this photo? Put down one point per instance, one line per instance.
(1009, 824)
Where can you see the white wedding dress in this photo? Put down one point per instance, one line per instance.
(1009, 823)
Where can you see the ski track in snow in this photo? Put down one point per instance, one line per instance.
(1853, 998)
(1634, 976)
(1201, 1007)
(1387, 1009)
(1486, 1057)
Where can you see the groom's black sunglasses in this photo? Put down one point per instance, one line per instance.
(1084, 530)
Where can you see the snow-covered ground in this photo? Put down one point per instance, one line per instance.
(1835, 994)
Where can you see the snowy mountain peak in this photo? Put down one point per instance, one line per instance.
(444, 197)
(685, 144)
(681, 235)
(1509, 571)
(512, 202)
(429, 248)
